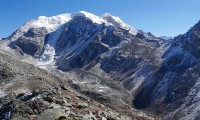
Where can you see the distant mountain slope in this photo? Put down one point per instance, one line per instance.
(175, 86)
(166, 37)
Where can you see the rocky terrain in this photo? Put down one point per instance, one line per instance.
(109, 62)
(30, 93)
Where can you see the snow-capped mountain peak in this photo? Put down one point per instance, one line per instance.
(94, 18)
(52, 23)
(116, 21)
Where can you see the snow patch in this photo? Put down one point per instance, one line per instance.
(101, 88)
(47, 57)
(2, 94)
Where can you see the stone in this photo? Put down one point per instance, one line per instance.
(68, 105)
(54, 91)
(61, 118)
(54, 105)
(64, 87)
(78, 118)
(67, 97)
(36, 111)
(70, 118)
(59, 101)
(51, 114)
(49, 99)
(103, 118)
(89, 116)
(82, 105)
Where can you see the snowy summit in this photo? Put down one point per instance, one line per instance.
(52, 23)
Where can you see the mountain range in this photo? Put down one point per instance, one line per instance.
(108, 61)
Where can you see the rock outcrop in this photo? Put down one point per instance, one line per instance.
(32, 42)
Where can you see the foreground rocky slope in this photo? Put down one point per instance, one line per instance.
(28, 92)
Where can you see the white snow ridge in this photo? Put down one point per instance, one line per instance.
(94, 18)
(51, 23)
(2, 94)
(116, 21)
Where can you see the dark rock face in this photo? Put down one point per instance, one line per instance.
(78, 29)
(88, 41)
(125, 61)
(111, 36)
(93, 50)
(33, 41)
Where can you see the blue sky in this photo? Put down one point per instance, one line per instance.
(160, 17)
